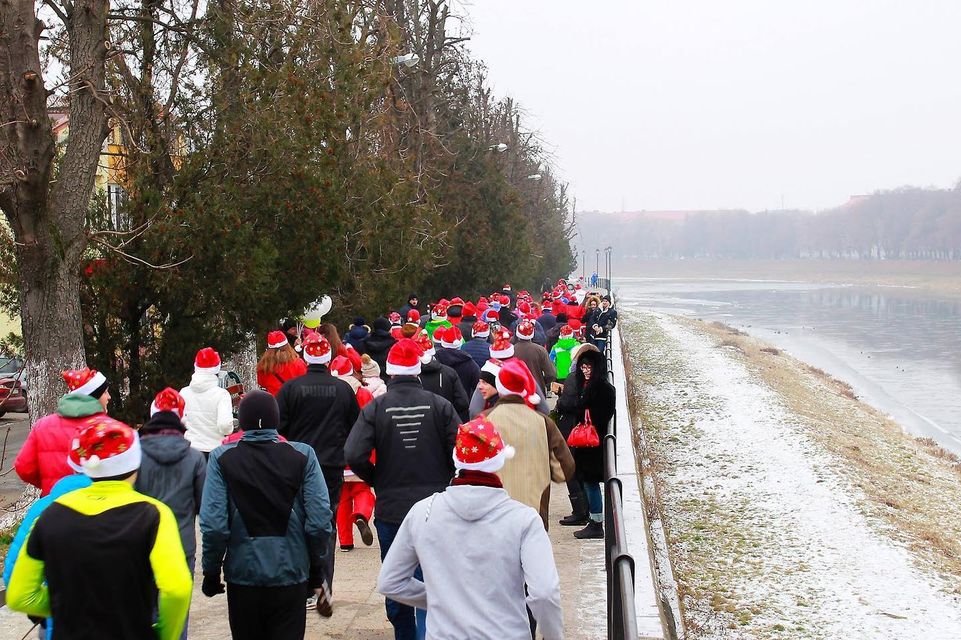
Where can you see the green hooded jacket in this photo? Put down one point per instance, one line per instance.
(78, 405)
(561, 355)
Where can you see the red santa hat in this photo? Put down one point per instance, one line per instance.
(505, 301)
(439, 312)
(394, 318)
(480, 329)
(506, 287)
(403, 359)
(524, 308)
(276, 339)
(525, 330)
(502, 348)
(85, 381)
(341, 367)
(317, 350)
(566, 332)
(426, 346)
(413, 316)
(470, 311)
(515, 379)
(491, 315)
(168, 400)
(479, 447)
(450, 337)
(104, 448)
(208, 360)
(457, 300)
(492, 367)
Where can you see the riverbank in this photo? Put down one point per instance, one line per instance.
(938, 278)
(792, 510)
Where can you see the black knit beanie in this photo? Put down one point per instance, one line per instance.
(258, 410)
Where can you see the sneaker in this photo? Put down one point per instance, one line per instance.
(325, 608)
(592, 531)
(346, 547)
(311, 602)
(365, 533)
(574, 520)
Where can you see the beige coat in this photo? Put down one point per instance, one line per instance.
(541, 454)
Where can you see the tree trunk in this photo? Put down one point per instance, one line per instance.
(47, 216)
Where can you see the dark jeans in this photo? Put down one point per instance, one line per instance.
(266, 613)
(334, 478)
(595, 499)
(408, 625)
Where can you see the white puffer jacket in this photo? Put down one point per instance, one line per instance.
(208, 414)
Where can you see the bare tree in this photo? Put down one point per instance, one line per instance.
(45, 211)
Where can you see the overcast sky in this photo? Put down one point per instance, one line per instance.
(701, 104)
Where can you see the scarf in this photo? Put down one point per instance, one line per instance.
(477, 479)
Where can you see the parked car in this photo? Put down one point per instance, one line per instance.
(13, 393)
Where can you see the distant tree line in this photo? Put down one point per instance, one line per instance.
(907, 223)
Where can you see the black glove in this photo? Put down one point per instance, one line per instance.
(212, 585)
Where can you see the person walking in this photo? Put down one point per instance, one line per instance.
(378, 343)
(595, 396)
(502, 350)
(279, 364)
(265, 521)
(602, 324)
(208, 411)
(438, 318)
(413, 432)
(319, 410)
(542, 455)
(478, 348)
(566, 421)
(468, 318)
(412, 304)
(441, 379)
(171, 471)
(561, 353)
(534, 355)
(100, 559)
(460, 361)
(474, 524)
(42, 459)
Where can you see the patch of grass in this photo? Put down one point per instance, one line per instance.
(6, 537)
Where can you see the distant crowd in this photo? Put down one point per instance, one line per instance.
(431, 429)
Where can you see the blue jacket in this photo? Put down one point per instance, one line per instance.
(64, 485)
(265, 514)
(479, 349)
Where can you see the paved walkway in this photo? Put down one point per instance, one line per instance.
(359, 610)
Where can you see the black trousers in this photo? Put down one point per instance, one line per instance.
(266, 613)
(334, 478)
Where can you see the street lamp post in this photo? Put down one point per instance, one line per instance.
(583, 264)
(597, 262)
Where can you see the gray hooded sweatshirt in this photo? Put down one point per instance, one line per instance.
(478, 548)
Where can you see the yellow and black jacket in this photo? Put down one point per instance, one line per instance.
(105, 552)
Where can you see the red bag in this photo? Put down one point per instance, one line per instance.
(584, 435)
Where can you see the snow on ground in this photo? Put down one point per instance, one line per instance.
(768, 539)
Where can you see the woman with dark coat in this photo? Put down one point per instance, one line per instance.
(592, 392)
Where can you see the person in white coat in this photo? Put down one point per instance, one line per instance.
(474, 528)
(208, 412)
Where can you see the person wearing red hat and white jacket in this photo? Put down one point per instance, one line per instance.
(461, 362)
(534, 355)
(208, 411)
(279, 364)
(42, 460)
(170, 470)
(475, 518)
(413, 432)
(100, 559)
(319, 409)
(542, 453)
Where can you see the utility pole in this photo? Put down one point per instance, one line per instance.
(597, 263)
(583, 264)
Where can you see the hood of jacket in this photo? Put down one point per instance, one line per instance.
(598, 363)
(434, 366)
(201, 382)
(78, 405)
(377, 341)
(166, 449)
(455, 357)
(472, 502)
(566, 343)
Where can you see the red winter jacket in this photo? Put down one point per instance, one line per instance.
(43, 459)
(272, 382)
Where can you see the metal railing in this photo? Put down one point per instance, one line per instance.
(619, 564)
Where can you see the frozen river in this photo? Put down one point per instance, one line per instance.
(898, 348)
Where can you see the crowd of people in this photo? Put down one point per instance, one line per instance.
(433, 427)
